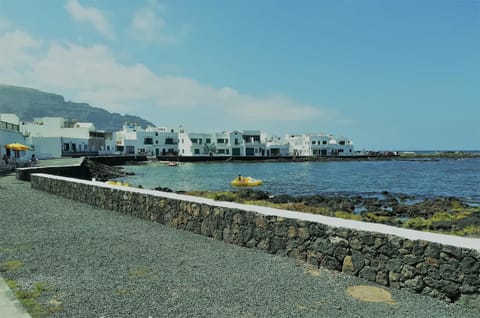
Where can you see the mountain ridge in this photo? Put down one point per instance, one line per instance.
(29, 103)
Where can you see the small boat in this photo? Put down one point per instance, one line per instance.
(246, 181)
(172, 164)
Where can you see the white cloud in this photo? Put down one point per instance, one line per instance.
(5, 23)
(93, 74)
(148, 26)
(272, 108)
(18, 54)
(90, 15)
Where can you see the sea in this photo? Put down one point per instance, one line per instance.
(420, 178)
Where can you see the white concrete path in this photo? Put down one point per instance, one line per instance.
(10, 307)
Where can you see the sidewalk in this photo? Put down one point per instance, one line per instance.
(10, 307)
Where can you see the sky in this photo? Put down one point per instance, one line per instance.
(389, 75)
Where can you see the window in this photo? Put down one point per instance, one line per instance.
(314, 142)
(222, 151)
(130, 149)
(148, 141)
(156, 134)
(342, 142)
(227, 151)
(194, 140)
(236, 141)
(208, 141)
(220, 141)
(197, 151)
(200, 141)
(156, 142)
(324, 142)
(169, 141)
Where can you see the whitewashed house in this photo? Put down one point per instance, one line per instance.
(54, 137)
(306, 145)
(341, 146)
(235, 143)
(152, 141)
(222, 143)
(193, 144)
(299, 145)
(196, 144)
(276, 146)
(254, 147)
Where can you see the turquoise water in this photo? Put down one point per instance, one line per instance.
(444, 177)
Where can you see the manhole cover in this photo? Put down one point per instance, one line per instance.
(370, 294)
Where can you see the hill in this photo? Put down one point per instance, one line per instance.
(29, 103)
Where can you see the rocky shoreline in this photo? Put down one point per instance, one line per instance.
(448, 215)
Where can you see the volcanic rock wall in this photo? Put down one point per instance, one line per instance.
(435, 269)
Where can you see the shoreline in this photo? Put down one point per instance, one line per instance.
(368, 155)
(445, 215)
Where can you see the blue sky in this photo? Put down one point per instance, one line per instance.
(390, 75)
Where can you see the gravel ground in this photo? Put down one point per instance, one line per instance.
(99, 263)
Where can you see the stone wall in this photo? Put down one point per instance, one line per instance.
(423, 266)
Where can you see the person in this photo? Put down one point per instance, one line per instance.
(240, 178)
(33, 159)
(5, 158)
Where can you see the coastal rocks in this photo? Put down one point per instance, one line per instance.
(163, 189)
(441, 271)
(249, 194)
(443, 214)
(102, 172)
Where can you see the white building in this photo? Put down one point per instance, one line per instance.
(235, 143)
(306, 145)
(54, 137)
(276, 146)
(152, 141)
(199, 144)
(254, 147)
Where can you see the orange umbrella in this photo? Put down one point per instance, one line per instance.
(17, 146)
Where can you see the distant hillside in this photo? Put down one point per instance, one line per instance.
(28, 103)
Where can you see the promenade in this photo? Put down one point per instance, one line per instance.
(72, 260)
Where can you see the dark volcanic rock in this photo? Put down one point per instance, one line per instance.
(102, 172)
(284, 198)
(163, 189)
(249, 194)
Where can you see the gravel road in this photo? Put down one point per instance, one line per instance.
(99, 263)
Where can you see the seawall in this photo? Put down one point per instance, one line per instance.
(100, 167)
(440, 266)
